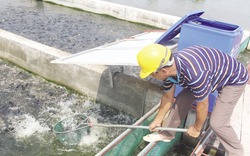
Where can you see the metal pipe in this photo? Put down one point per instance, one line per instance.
(141, 127)
(126, 132)
(147, 149)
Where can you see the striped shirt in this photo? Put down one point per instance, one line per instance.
(203, 70)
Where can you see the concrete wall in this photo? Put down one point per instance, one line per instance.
(121, 12)
(129, 94)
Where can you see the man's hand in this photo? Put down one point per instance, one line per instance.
(153, 125)
(166, 102)
(193, 132)
(201, 115)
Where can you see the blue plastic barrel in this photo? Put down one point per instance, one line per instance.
(223, 36)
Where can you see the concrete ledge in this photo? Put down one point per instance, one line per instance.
(129, 94)
(121, 12)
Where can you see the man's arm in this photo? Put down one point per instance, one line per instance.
(166, 102)
(201, 115)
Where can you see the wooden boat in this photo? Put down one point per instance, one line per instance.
(128, 142)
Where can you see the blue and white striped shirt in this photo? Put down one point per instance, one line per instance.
(203, 70)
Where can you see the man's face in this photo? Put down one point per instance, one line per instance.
(160, 75)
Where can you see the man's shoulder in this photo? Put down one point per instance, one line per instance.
(196, 48)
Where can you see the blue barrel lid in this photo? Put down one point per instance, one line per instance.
(176, 28)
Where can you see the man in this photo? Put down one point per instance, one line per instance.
(200, 71)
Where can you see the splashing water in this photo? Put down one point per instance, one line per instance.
(92, 137)
(26, 125)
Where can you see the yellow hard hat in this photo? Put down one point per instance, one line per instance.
(152, 57)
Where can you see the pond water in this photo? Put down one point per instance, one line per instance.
(63, 28)
(29, 108)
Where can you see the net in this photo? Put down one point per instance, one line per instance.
(70, 130)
